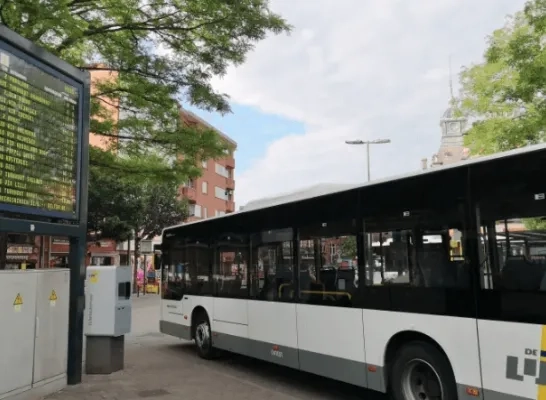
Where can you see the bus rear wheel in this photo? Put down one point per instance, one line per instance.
(203, 337)
(421, 372)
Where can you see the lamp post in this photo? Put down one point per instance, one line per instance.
(367, 143)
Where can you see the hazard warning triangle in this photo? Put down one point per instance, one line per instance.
(18, 300)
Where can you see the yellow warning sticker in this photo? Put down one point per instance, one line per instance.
(53, 298)
(94, 277)
(18, 302)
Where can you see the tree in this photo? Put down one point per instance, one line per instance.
(159, 206)
(348, 246)
(505, 93)
(109, 206)
(162, 50)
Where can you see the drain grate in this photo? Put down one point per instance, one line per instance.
(153, 393)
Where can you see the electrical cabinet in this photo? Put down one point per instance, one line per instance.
(51, 342)
(108, 301)
(18, 312)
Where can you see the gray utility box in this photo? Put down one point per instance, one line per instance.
(107, 317)
(34, 335)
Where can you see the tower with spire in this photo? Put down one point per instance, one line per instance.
(453, 127)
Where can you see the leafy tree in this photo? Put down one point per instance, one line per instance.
(505, 93)
(535, 224)
(162, 50)
(159, 206)
(348, 246)
(108, 206)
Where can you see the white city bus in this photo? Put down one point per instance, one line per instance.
(428, 286)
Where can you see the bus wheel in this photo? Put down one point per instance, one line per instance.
(421, 372)
(203, 339)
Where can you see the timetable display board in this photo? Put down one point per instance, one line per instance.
(40, 130)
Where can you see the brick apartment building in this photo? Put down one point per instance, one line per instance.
(209, 195)
(212, 194)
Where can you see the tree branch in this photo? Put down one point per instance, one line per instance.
(143, 26)
(2, 6)
(148, 140)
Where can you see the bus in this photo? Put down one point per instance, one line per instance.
(427, 286)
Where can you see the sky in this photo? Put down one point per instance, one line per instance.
(350, 69)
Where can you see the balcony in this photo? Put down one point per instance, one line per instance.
(230, 163)
(230, 183)
(189, 193)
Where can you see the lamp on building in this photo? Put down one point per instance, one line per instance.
(367, 143)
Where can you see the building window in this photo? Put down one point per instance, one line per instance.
(195, 210)
(204, 187)
(221, 193)
(204, 164)
(219, 213)
(221, 170)
(190, 183)
(205, 214)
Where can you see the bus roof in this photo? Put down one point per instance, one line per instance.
(333, 188)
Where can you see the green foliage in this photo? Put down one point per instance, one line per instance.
(120, 206)
(535, 224)
(506, 92)
(163, 50)
(348, 247)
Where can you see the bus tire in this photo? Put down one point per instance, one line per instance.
(203, 337)
(421, 372)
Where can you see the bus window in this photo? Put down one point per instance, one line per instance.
(198, 268)
(173, 272)
(272, 273)
(328, 265)
(230, 268)
(514, 254)
(389, 257)
(424, 250)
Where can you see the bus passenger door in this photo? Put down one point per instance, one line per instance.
(230, 315)
(174, 303)
(272, 330)
(330, 330)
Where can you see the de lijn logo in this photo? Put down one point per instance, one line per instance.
(531, 366)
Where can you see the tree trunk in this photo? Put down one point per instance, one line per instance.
(3, 250)
(137, 254)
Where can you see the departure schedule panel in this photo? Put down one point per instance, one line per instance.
(39, 131)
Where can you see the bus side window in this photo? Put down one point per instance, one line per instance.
(172, 277)
(272, 273)
(230, 266)
(514, 254)
(418, 248)
(328, 268)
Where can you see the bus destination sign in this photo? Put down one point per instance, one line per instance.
(39, 132)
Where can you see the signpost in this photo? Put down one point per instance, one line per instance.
(44, 158)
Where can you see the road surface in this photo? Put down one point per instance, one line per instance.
(160, 367)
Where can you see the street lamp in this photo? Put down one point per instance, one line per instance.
(367, 143)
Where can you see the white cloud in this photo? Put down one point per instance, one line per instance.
(357, 69)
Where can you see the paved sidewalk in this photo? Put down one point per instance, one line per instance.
(159, 367)
(165, 368)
